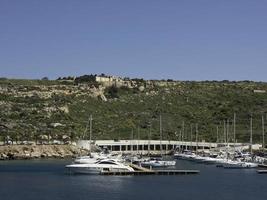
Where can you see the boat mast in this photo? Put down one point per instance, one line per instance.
(226, 137)
(227, 133)
(224, 132)
(180, 139)
(234, 131)
(138, 138)
(191, 131)
(217, 134)
(196, 138)
(251, 125)
(132, 137)
(149, 138)
(160, 130)
(183, 134)
(263, 134)
(86, 128)
(90, 133)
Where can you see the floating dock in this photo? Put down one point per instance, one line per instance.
(144, 171)
(262, 165)
(139, 168)
(262, 171)
(153, 172)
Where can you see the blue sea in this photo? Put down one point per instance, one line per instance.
(48, 180)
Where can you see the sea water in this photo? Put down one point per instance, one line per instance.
(48, 180)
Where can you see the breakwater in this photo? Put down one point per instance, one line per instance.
(11, 152)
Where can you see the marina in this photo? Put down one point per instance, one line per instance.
(153, 172)
(47, 176)
(133, 100)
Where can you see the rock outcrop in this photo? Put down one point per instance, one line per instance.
(40, 151)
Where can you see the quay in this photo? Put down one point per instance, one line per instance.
(157, 146)
(153, 172)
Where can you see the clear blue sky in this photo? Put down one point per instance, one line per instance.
(154, 39)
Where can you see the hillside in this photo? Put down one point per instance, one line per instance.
(32, 108)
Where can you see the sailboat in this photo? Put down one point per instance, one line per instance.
(158, 162)
(238, 164)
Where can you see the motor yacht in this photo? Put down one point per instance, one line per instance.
(239, 165)
(104, 165)
(97, 157)
(153, 162)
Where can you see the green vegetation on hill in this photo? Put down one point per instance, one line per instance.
(25, 114)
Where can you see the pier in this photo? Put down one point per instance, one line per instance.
(153, 172)
(139, 170)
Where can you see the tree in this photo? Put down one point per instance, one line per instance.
(45, 78)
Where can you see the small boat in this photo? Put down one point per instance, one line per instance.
(209, 160)
(105, 165)
(185, 155)
(239, 165)
(153, 162)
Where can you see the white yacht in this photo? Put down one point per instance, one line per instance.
(239, 165)
(97, 157)
(104, 165)
(185, 155)
(158, 163)
(210, 160)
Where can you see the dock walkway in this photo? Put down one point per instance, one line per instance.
(139, 168)
(262, 171)
(153, 172)
(262, 165)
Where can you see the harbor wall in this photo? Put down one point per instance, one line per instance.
(10, 152)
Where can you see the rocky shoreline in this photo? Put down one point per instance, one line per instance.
(21, 152)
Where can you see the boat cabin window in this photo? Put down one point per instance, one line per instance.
(107, 162)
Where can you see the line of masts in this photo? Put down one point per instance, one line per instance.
(182, 132)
